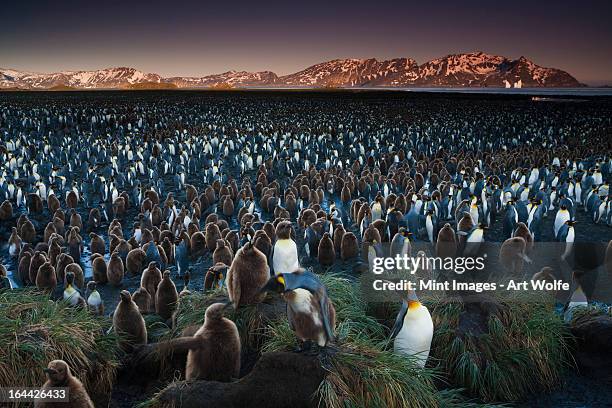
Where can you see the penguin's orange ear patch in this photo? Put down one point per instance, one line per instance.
(280, 280)
(413, 304)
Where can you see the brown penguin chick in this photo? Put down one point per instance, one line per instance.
(124, 248)
(223, 253)
(143, 300)
(59, 375)
(49, 230)
(75, 244)
(307, 217)
(150, 279)
(327, 253)
(35, 204)
(291, 204)
(146, 236)
(214, 349)
(23, 270)
(213, 233)
(37, 261)
(114, 270)
(168, 249)
(156, 216)
(42, 247)
(381, 226)
(215, 276)
(6, 210)
(54, 250)
(233, 240)
(371, 235)
(119, 207)
(345, 194)
(261, 240)
(338, 234)
(512, 255)
(96, 245)
(466, 223)
(72, 199)
(93, 219)
(198, 244)
(62, 261)
(270, 230)
(59, 225)
(15, 243)
(53, 204)
(545, 274)
(128, 323)
(75, 219)
(248, 273)
(27, 232)
(284, 230)
(349, 247)
(79, 277)
(190, 193)
(135, 261)
(211, 218)
(228, 206)
(98, 266)
(446, 244)
(523, 231)
(115, 228)
(222, 224)
(166, 297)
(45, 278)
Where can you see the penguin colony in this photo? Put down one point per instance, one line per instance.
(97, 190)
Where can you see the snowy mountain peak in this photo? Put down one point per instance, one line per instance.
(454, 70)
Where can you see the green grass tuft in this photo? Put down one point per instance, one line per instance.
(522, 349)
(35, 330)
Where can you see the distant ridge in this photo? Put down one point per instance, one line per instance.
(475, 69)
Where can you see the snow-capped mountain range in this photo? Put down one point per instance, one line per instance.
(458, 70)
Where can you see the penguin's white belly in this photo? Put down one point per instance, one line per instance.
(94, 300)
(560, 219)
(414, 338)
(429, 225)
(302, 304)
(285, 257)
(13, 250)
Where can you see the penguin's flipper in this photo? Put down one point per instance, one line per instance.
(525, 258)
(399, 320)
(185, 344)
(324, 304)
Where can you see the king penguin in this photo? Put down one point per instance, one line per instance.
(413, 329)
(311, 313)
(285, 253)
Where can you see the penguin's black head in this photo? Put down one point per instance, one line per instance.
(69, 278)
(275, 284)
(571, 223)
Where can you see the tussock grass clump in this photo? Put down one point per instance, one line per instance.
(519, 347)
(35, 330)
